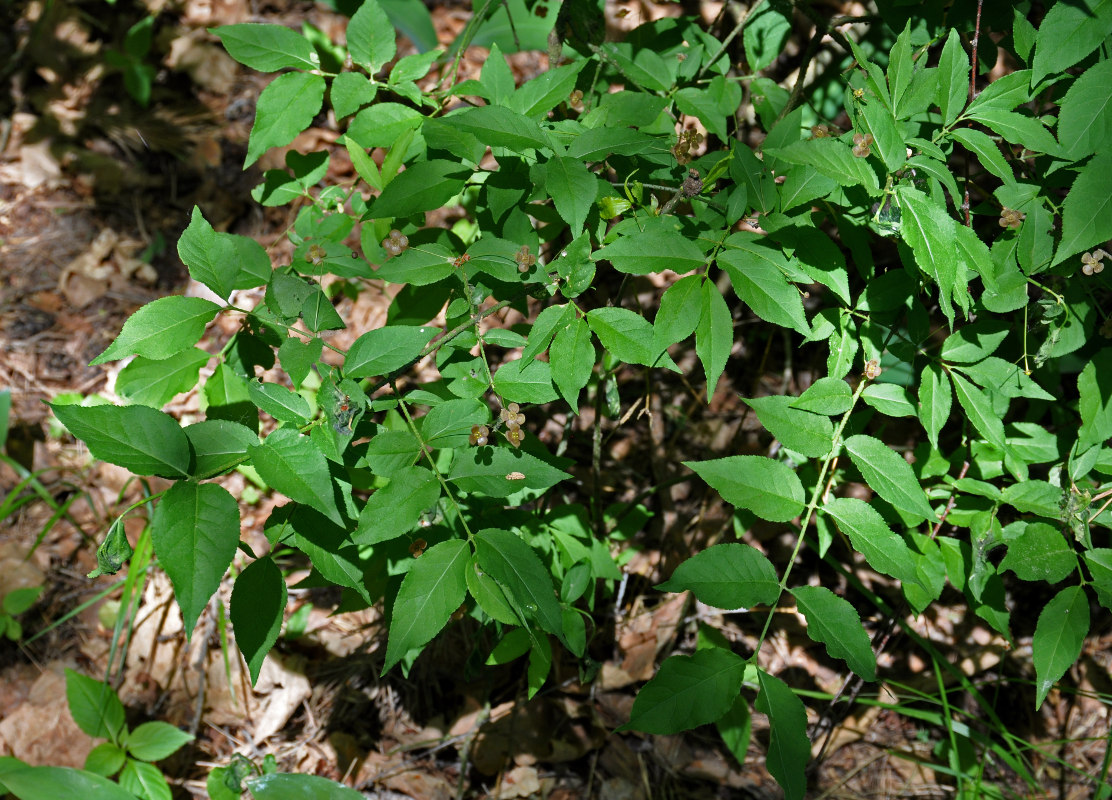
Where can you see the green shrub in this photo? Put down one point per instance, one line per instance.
(933, 249)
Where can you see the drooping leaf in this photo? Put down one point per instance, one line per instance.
(770, 489)
(218, 445)
(257, 608)
(572, 189)
(727, 576)
(433, 588)
(1095, 400)
(687, 691)
(1060, 633)
(714, 336)
(520, 382)
(572, 356)
(889, 475)
(928, 230)
(788, 749)
(978, 410)
(160, 329)
(518, 569)
(935, 400)
(627, 335)
(833, 158)
(953, 83)
(832, 621)
(137, 438)
(195, 532)
(830, 396)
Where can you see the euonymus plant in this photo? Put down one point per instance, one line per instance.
(937, 241)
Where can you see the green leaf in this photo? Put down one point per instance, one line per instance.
(46, 783)
(596, 144)
(885, 551)
(886, 136)
(497, 77)
(1059, 635)
(929, 231)
(257, 608)
(788, 747)
(687, 691)
(160, 329)
(765, 35)
(1017, 128)
(218, 445)
(449, 424)
(806, 433)
(942, 174)
(210, 256)
(383, 350)
(156, 383)
(285, 108)
(423, 186)
(154, 741)
(349, 92)
(714, 336)
(384, 125)
(94, 706)
(411, 18)
(541, 94)
(953, 80)
(1041, 553)
(572, 358)
(1095, 400)
(832, 621)
(432, 263)
(1035, 497)
(395, 509)
(735, 728)
(433, 588)
(519, 382)
(889, 475)
(654, 250)
(830, 396)
(292, 465)
(497, 126)
(978, 409)
(105, 759)
(518, 569)
(679, 313)
(974, 342)
(497, 473)
(765, 289)
(1087, 210)
(1085, 115)
(1069, 32)
(770, 489)
(370, 37)
(137, 438)
(987, 152)
(281, 403)
(889, 399)
(195, 532)
(144, 780)
(391, 451)
(833, 158)
(286, 786)
(319, 314)
(573, 190)
(627, 335)
(727, 576)
(935, 400)
(267, 48)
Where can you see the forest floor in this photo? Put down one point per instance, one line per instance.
(93, 194)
